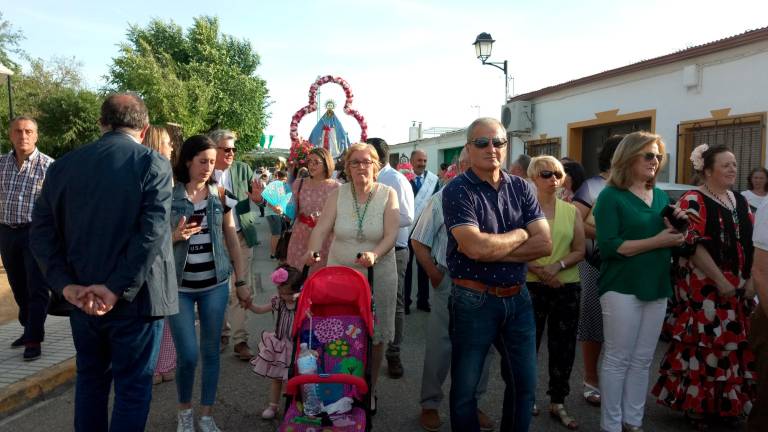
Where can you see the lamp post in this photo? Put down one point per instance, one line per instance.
(7, 72)
(483, 45)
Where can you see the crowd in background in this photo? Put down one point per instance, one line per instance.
(501, 259)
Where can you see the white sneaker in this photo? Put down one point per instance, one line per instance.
(207, 424)
(186, 421)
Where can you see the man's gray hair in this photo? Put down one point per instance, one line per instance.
(221, 134)
(23, 117)
(484, 121)
(124, 110)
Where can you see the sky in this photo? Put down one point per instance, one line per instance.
(405, 61)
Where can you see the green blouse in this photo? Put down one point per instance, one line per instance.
(621, 216)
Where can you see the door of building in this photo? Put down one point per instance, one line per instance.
(594, 137)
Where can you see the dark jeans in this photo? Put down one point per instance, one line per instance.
(119, 349)
(27, 283)
(477, 321)
(422, 295)
(557, 309)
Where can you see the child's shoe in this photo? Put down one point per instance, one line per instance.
(186, 421)
(207, 424)
(270, 412)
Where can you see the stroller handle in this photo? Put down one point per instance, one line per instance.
(293, 384)
(316, 255)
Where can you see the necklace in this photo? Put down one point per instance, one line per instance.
(360, 218)
(731, 209)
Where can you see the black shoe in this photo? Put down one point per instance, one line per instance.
(32, 352)
(424, 308)
(407, 310)
(394, 367)
(18, 343)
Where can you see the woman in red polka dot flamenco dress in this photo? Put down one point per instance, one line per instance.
(708, 371)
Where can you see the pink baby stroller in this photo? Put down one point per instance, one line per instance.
(334, 317)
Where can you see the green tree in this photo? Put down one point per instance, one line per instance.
(201, 78)
(9, 43)
(53, 93)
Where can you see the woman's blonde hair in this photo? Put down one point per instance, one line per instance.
(541, 163)
(371, 152)
(629, 150)
(155, 137)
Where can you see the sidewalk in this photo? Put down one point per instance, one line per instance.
(23, 383)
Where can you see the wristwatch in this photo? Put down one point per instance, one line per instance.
(562, 265)
(240, 283)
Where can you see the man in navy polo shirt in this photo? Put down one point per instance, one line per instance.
(495, 227)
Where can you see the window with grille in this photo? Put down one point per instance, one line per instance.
(540, 147)
(743, 136)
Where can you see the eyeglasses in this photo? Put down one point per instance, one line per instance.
(650, 155)
(545, 174)
(314, 162)
(483, 142)
(360, 163)
(228, 150)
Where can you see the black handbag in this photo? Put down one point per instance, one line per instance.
(58, 305)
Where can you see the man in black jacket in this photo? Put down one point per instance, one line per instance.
(101, 235)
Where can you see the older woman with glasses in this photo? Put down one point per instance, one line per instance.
(363, 216)
(553, 282)
(635, 241)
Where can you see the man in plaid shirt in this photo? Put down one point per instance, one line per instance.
(22, 172)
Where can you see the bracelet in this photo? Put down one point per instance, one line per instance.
(562, 265)
(240, 283)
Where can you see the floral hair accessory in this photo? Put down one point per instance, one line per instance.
(279, 276)
(697, 156)
(451, 172)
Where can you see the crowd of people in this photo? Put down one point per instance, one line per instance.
(501, 259)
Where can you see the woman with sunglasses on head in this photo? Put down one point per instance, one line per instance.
(310, 194)
(635, 242)
(363, 217)
(708, 371)
(553, 282)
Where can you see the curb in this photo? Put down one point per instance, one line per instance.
(36, 387)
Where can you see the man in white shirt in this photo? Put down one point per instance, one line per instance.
(758, 336)
(397, 181)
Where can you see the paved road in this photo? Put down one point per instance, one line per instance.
(242, 395)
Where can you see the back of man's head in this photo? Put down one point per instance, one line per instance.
(523, 160)
(382, 149)
(124, 111)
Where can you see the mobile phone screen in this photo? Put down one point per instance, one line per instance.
(195, 219)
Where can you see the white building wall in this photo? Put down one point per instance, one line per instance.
(432, 147)
(736, 79)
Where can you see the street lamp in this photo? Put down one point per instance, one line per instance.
(7, 72)
(483, 46)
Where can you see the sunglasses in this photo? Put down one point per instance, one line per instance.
(228, 150)
(546, 174)
(651, 155)
(483, 142)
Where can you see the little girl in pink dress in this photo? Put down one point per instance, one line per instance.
(275, 347)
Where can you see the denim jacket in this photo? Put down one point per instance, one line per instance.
(182, 206)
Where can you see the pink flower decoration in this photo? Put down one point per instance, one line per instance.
(279, 276)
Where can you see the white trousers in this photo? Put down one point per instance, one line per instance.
(632, 329)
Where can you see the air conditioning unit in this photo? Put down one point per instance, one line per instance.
(517, 117)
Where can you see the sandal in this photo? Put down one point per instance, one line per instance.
(625, 427)
(558, 412)
(592, 394)
(535, 411)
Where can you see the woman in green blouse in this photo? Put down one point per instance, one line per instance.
(634, 240)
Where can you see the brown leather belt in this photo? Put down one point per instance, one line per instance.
(496, 291)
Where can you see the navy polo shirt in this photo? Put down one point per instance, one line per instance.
(467, 200)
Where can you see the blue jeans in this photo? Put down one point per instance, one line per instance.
(123, 349)
(477, 321)
(211, 305)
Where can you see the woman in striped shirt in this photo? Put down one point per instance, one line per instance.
(205, 242)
